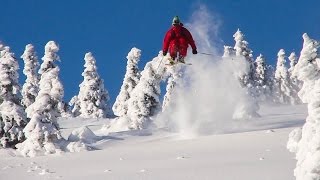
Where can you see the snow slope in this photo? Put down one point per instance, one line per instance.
(248, 150)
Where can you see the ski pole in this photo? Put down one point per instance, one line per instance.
(208, 54)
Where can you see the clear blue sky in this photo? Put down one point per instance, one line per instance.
(110, 28)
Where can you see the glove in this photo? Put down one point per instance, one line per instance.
(194, 51)
(164, 53)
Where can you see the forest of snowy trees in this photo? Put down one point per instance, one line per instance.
(28, 115)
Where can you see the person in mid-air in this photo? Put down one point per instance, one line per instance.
(176, 41)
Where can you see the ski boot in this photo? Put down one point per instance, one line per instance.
(171, 61)
(181, 60)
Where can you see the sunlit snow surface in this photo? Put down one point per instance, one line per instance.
(255, 149)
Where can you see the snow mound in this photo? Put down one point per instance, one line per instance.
(77, 147)
(83, 134)
(116, 125)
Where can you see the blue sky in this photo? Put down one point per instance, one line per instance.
(109, 29)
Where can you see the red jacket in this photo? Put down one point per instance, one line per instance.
(175, 33)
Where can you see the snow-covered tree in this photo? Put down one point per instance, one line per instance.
(260, 75)
(92, 100)
(145, 102)
(295, 83)
(42, 132)
(308, 147)
(262, 87)
(270, 74)
(173, 80)
(31, 86)
(282, 87)
(130, 81)
(293, 61)
(241, 46)
(242, 50)
(13, 118)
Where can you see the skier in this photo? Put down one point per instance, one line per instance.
(177, 40)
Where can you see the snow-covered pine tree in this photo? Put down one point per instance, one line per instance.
(241, 46)
(175, 74)
(42, 132)
(261, 78)
(242, 50)
(293, 61)
(270, 74)
(308, 148)
(260, 75)
(145, 97)
(92, 100)
(282, 89)
(13, 118)
(294, 82)
(130, 81)
(30, 88)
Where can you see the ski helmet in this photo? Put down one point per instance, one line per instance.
(176, 20)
